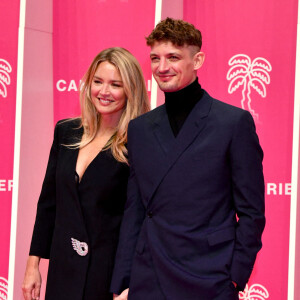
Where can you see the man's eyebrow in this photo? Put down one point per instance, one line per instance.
(168, 54)
(173, 53)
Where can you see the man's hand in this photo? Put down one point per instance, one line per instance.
(32, 280)
(122, 296)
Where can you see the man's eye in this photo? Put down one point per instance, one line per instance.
(173, 58)
(154, 59)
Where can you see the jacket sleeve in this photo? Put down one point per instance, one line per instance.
(248, 193)
(133, 218)
(46, 208)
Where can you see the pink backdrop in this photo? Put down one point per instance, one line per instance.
(8, 76)
(81, 29)
(259, 37)
(264, 30)
(232, 32)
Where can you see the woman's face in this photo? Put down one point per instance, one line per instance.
(107, 91)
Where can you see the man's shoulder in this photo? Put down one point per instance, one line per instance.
(222, 107)
(150, 116)
(222, 104)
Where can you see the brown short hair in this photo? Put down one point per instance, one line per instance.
(178, 32)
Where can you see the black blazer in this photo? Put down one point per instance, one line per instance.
(180, 238)
(89, 212)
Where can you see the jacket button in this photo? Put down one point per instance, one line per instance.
(150, 214)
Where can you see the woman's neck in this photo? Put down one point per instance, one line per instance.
(109, 123)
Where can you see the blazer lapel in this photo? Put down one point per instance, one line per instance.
(191, 128)
(162, 131)
(72, 155)
(174, 147)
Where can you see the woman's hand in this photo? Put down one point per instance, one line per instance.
(32, 280)
(122, 296)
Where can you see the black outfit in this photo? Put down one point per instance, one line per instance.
(179, 104)
(90, 211)
(180, 237)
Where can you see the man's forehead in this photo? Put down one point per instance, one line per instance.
(168, 46)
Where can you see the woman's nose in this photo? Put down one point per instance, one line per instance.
(104, 90)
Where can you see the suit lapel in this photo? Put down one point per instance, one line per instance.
(74, 134)
(174, 147)
(191, 128)
(163, 132)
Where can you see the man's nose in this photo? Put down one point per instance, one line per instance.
(163, 66)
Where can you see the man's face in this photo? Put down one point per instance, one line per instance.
(174, 67)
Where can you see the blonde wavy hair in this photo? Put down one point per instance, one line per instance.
(137, 100)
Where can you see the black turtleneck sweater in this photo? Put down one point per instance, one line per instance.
(179, 104)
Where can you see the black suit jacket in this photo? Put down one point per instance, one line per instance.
(90, 212)
(180, 238)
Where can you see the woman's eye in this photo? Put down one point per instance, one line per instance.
(116, 85)
(97, 81)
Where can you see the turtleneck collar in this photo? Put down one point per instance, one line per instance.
(179, 104)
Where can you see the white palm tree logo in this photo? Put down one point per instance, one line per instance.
(255, 292)
(5, 69)
(249, 74)
(3, 288)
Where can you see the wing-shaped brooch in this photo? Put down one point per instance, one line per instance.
(80, 247)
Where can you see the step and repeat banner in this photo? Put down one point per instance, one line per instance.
(8, 77)
(81, 29)
(250, 62)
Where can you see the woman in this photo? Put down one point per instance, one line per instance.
(82, 199)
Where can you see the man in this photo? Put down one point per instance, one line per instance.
(195, 208)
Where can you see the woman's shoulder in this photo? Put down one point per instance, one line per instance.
(69, 123)
(68, 129)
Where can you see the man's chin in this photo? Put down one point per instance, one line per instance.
(167, 87)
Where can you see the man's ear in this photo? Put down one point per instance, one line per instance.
(198, 60)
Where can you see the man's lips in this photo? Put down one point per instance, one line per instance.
(165, 77)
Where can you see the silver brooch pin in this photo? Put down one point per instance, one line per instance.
(80, 247)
